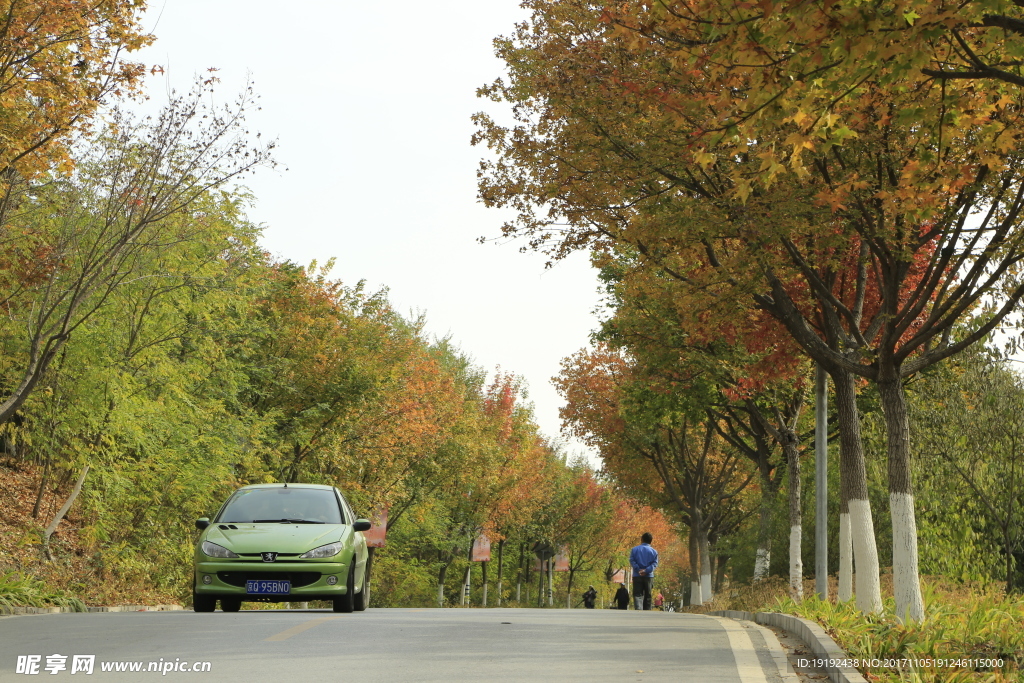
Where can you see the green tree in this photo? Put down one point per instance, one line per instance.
(970, 417)
(845, 211)
(81, 237)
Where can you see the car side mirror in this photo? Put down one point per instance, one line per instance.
(202, 523)
(362, 525)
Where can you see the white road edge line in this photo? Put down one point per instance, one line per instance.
(747, 664)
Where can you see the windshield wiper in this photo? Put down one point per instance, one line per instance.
(287, 521)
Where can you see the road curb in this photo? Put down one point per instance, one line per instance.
(14, 611)
(819, 642)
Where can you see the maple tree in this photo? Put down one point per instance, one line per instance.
(756, 369)
(637, 429)
(700, 142)
(59, 61)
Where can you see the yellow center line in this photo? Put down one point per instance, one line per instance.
(296, 630)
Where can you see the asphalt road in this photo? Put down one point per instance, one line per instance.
(391, 645)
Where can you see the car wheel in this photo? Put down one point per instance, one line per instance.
(362, 598)
(202, 603)
(347, 603)
(231, 604)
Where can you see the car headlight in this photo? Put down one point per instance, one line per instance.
(329, 550)
(214, 550)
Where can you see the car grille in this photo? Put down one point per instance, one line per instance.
(298, 579)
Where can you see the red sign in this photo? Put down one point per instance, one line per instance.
(375, 536)
(481, 549)
(619, 576)
(562, 560)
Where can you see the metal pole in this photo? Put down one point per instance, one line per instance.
(821, 482)
(551, 582)
(540, 586)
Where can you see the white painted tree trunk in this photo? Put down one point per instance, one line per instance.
(907, 589)
(705, 569)
(441, 575)
(695, 552)
(853, 489)
(906, 583)
(466, 585)
(865, 552)
(762, 560)
(796, 563)
(845, 558)
(763, 556)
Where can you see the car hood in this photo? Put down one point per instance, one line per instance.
(275, 537)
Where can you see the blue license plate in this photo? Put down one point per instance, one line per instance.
(267, 587)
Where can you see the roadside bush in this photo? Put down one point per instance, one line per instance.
(20, 590)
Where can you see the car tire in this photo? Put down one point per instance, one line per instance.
(231, 604)
(202, 603)
(362, 598)
(347, 602)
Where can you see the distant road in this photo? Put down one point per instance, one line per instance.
(392, 645)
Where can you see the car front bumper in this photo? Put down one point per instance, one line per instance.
(309, 580)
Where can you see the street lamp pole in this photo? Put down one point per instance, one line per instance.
(821, 482)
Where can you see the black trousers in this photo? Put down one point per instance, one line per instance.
(642, 590)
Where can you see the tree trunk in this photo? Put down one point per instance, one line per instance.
(466, 584)
(906, 579)
(845, 553)
(42, 489)
(1008, 549)
(63, 511)
(519, 576)
(440, 584)
(763, 559)
(705, 567)
(695, 592)
(540, 585)
(853, 475)
(369, 571)
(501, 559)
(568, 592)
(719, 586)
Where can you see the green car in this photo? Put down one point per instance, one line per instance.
(282, 543)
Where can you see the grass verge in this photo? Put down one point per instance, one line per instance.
(969, 633)
(19, 590)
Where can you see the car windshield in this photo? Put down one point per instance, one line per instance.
(283, 505)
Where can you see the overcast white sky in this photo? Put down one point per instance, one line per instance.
(371, 106)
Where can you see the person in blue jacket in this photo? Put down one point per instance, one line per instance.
(644, 560)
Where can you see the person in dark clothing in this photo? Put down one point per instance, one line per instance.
(644, 560)
(589, 597)
(622, 597)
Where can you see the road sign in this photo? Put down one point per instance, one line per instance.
(376, 533)
(481, 549)
(562, 560)
(543, 551)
